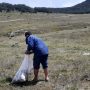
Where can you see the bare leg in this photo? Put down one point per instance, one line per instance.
(46, 74)
(36, 74)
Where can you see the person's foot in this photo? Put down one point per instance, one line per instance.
(47, 79)
(35, 80)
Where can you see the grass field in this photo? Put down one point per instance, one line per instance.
(68, 39)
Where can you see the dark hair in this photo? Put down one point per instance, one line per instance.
(27, 33)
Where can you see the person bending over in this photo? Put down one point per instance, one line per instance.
(38, 47)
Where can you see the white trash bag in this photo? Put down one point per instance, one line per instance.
(24, 70)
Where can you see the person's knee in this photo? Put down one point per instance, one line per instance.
(36, 64)
(45, 66)
(36, 67)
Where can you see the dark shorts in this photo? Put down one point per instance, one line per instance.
(43, 60)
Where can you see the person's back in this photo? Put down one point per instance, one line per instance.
(37, 45)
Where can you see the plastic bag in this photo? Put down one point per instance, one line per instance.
(24, 70)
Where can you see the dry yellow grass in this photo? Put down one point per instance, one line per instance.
(67, 36)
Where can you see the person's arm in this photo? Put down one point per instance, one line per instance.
(30, 46)
(28, 51)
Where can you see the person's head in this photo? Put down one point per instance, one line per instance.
(27, 34)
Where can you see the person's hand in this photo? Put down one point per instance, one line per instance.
(28, 52)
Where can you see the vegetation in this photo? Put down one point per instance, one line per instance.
(68, 39)
(9, 7)
(83, 7)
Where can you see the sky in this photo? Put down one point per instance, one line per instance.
(45, 3)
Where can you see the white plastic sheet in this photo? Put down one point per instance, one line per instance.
(24, 70)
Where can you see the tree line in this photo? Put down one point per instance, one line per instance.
(17, 7)
(80, 8)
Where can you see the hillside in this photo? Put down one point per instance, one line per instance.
(83, 7)
(85, 4)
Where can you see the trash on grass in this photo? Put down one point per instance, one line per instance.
(24, 70)
(86, 54)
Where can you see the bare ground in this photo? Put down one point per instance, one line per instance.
(68, 38)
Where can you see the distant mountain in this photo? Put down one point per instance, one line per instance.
(80, 8)
(83, 7)
(85, 4)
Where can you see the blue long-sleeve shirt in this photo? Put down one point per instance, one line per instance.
(36, 45)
